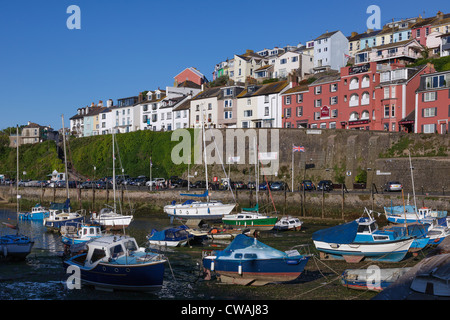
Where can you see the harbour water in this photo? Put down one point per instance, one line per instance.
(43, 277)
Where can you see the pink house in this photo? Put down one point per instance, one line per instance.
(432, 108)
(190, 75)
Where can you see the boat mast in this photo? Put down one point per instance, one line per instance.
(17, 174)
(114, 171)
(256, 172)
(65, 157)
(204, 151)
(412, 180)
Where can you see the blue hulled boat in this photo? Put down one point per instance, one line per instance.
(117, 263)
(38, 212)
(15, 246)
(80, 233)
(361, 239)
(60, 214)
(249, 261)
(171, 237)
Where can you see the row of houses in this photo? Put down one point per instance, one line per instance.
(405, 40)
(363, 81)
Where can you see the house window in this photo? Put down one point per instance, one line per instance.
(266, 99)
(393, 111)
(287, 100)
(300, 98)
(429, 112)
(229, 91)
(333, 87)
(209, 106)
(283, 61)
(333, 100)
(245, 124)
(318, 90)
(429, 96)
(287, 112)
(332, 125)
(299, 111)
(248, 113)
(266, 111)
(386, 111)
(429, 128)
(334, 113)
(418, 33)
(386, 92)
(393, 92)
(318, 103)
(228, 114)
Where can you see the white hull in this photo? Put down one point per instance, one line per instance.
(199, 210)
(112, 220)
(168, 243)
(374, 250)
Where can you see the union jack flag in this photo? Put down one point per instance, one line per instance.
(298, 149)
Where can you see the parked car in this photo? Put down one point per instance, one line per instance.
(140, 181)
(155, 182)
(326, 185)
(263, 185)
(251, 185)
(278, 185)
(180, 183)
(87, 185)
(201, 184)
(308, 185)
(238, 185)
(393, 186)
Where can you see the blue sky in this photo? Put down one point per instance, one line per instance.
(125, 47)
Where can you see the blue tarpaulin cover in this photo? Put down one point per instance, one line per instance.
(249, 247)
(343, 233)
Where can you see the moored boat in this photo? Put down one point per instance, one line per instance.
(373, 279)
(118, 263)
(15, 246)
(362, 239)
(171, 237)
(288, 223)
(248, 261)
(251, 220)
(38, 212)
(81, 233)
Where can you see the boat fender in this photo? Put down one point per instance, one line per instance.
(212, 265)
(240, 269)
(5, 251)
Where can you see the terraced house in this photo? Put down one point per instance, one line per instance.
(432, 107)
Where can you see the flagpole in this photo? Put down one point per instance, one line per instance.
(292, 168)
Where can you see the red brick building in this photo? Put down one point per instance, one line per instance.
(190, 75)
(363, 97)
(432, 107)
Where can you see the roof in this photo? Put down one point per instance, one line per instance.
(186, 105)
(326, 35)
(208, 93)
(326, 76)
(363, 35)
(266, 89)
(174, 101)
(189, 84)
(300, 88)
(390, 45)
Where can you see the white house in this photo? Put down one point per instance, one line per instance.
(126, 115)
(293, 61)
(330, 51)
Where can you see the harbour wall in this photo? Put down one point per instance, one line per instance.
(337, 204)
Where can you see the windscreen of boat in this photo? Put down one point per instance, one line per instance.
(244, 247)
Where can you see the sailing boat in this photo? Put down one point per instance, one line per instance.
(108, 218)
(203, 210)
(250, 217)
(60, 213)
(410, 214)
(15, 246)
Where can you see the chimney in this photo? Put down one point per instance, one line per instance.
(354, 34)
(100, 103)
(109, 103)
(440, 15)
(92, 104)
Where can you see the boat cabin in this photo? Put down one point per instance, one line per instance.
(105, 249)
(368, 231)
(87, 231)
